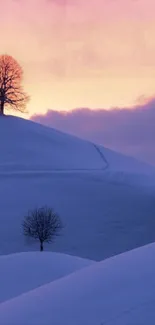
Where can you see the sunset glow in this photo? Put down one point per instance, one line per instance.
(76, 53)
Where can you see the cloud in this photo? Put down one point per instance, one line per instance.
(63, 2)
(131, 131)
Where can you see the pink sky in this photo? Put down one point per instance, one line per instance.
(77, 53)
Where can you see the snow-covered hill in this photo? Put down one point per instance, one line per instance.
(23, 272)
(105, 200)
(28, 146)
(117, 291)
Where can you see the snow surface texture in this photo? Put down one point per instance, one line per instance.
(26, 145)
(23, 272)
(105, 200)
(117, 291)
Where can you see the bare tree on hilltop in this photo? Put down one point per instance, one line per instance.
(42, 224)
(11, 91)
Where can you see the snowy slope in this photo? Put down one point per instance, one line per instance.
(31, 270)
(26, 145)
(101, 217)
(101, 196)
(117, 291)
(30, 146)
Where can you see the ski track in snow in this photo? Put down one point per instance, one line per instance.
(61, 170)
(102, 156)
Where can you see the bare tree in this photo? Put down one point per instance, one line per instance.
(11, 91)
(42, 224)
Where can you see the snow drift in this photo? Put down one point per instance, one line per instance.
(23, 272)
(117, 291)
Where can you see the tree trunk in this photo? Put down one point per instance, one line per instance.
(41, 247)
(2, 108)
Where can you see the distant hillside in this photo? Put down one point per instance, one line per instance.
(105, 199)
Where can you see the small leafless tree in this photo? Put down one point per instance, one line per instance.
(11, 91)
(42, 224)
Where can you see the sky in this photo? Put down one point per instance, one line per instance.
(76, 53)
(89, 67)
(129, 131)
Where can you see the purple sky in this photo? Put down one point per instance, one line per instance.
(131, 131)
